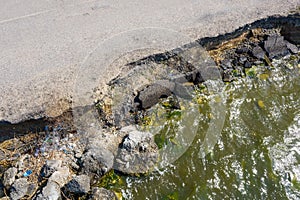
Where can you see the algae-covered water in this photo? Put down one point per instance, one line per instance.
(257, 155)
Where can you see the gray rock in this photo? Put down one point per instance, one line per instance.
(227, 76)
(138, 153)
(97, 161)
(136, 140)
(9, 177)
(61, 176)
(103, 194)
(247, 64)
(79, 185)
(50, 167)
(19, 189)
(151, 94)
(50, 192)
(226, 64)
(32, 187)
(276, 46)
(258, 52)
(242, 50)
(243, 59)
(293, 48)
(56, 181)
(207, 73)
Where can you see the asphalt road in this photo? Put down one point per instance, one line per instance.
(44, 42)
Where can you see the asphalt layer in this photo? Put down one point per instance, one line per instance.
(45, 43)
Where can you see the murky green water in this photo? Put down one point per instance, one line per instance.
(257, 155)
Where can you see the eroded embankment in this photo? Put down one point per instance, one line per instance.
(54, 161)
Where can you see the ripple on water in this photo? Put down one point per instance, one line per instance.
(286, 159)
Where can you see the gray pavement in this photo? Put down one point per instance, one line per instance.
(44, 42)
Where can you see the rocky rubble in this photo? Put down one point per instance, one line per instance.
(256, 47)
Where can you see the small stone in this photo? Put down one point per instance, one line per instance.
(50, 167)
(247, 64)
(293, 48)
(275, 46)
(50, 192)
(227, 76)
(258, 52)
(243, 59)
(19, 189)
(103, 194)
(78, 155)
(61, 176)
(79, 185)
(226, 64)
(9, 177)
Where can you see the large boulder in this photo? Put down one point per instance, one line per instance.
(138, 153)
(97, 161)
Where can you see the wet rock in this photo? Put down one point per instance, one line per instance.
(79, 185)
(123, 113)
(50, 192)
(19, 189)
(97, 161)
(150, 95)
(207, 73)
(50, 167)
(9, 177)
(183, 92)
(258, 52)
(275, 46)
(138, 153)
(103, 194)
(293, 48)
